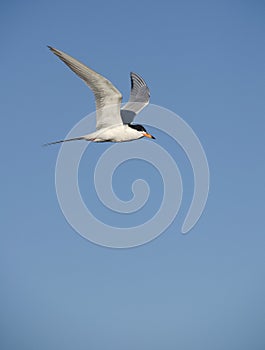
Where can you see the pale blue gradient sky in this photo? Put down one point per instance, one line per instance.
(205, 61)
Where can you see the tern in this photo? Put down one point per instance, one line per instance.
(113, 122)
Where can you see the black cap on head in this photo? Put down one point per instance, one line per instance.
(137, 127)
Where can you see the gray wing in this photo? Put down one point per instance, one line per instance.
(139, 98)
(108, 98)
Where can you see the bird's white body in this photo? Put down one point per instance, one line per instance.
(113, 122)
(119, 133)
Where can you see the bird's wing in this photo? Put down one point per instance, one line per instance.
(108, 98)
(139, 98)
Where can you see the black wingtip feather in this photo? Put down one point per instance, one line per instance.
(53, 50)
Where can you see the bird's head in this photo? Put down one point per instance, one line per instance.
(141, 130)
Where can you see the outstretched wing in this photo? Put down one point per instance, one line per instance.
(107, 96)
(139, 98)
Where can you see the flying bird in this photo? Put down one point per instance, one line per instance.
(113, 123)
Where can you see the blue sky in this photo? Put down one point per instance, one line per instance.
(204, 61)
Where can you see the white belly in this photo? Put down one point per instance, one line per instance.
(121, 133)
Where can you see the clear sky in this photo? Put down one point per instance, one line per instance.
(204, 60)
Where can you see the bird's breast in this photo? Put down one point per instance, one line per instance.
(121, 133)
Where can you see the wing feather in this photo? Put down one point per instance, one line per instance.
(139, 98)
(107, 96)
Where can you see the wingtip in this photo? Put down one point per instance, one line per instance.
(52, 49)
(138, 80)
(132, 74)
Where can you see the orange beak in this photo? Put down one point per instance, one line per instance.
(149, 136)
